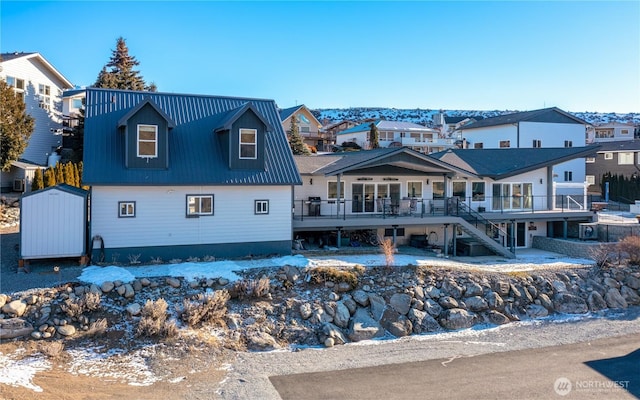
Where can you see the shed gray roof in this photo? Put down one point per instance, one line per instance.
(195, 157)
(552, 114)
(504, 163)
(62, 187)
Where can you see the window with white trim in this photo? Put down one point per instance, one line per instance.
(147, 141)
(17, 84)
(44, 93)
(248, 143)
(624, 131)
(126, 209)
(198, 205)
(625, 158)
(590, 160)
(414, 189)
(608, 156)
(332, 190)
(261, 207)
(591, 179)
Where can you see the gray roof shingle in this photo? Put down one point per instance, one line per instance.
(552, 114)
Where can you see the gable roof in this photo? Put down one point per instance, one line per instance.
(287, 112)
(17, 55)
(387, 126)
(123, 121)
(383, 161)
(504, 163)
(552, 114)
(232, 115)
(195, 153)
(62, 187)
(618, 146)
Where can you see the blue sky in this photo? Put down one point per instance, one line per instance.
(579, 56)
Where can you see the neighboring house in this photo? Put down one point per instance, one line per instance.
(488, 196)
(331, 130)
(615, 157)
(72, 104)
(448, 124)
(545, 128)
(308, 125)
(396, 134)
(184, 176)
(614, 131)
(40, 85)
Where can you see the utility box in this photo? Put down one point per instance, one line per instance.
(53, 223)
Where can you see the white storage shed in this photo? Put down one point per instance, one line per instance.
(53, 223)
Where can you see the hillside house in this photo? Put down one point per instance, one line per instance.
(308, 126)
(545, 128)
(41, 85)
(331, 130)
(184, 176)
(397, 134)
(611, 132)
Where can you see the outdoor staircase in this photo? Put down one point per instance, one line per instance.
(470, 220)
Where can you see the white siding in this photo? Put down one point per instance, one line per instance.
(52, 225)
(160, 216)
(42, 141)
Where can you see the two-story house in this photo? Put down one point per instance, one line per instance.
(184, 176)
(331, 130)
(544, 128)
(611, 132)
(618, 157)
(396, 134)
(40, 85)
(308, 125)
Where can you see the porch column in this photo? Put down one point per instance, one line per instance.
(550, 192)
(454, 242)
(565, 227)
(512, 241)
(339, 228)
(446, 241)
(338, 196)
(395, 228)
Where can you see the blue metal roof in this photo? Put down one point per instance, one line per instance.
(195, 154)
(286, 113)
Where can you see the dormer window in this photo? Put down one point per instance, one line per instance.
(147, 141)
(248, 143)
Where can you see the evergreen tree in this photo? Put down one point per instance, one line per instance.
(69, 177)
(49, 177)
(38, 181)
(295, 140)
(16, 126)
(77, 175)
(59, 174)
(373, 136)
(119, 73)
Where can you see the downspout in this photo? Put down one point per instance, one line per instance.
(518, 134)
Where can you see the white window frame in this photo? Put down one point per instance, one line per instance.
(590, 179)
(626, 158)
(590, 160)
(624, 131)
(608, 156)
(154, 141)
(195, 204)
(253, 144)
(126, 209)
(335, 191)
(418, 193)
(261, 207)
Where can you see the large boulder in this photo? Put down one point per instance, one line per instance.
(472, 289)
(632, 281)
(596, 302)
(363, 326)
(258, 340)
(457, 318)
(569, 304)
(536, 311)
(342, 315)
(377, 305)
(476, 303)
(400, 302)
(630, 295)
(614, 299)
(497, 318)
(361, 297)
(422, 321)
(396, 324)
(432, 307)
(545, 301)
(329, 330)
(494, 301)
(448, 302)
(451, 288)
(16, 307)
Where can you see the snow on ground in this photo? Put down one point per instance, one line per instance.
(529, 259)
(19, 371)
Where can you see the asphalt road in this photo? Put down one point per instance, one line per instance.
(602, 369)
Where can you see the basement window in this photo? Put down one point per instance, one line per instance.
(126, 209)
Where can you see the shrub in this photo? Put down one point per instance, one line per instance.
(210, 309)
(153, 321)
(97, 328)
(388, 249)
(335, 275)
(252, 288)
(74, 308)
(601, 254)
(630, 246)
